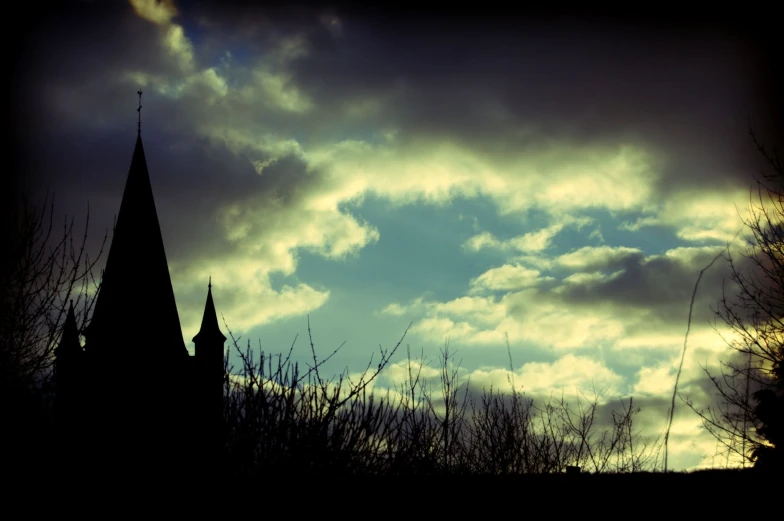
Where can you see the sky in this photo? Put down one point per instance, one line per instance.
(539, 187)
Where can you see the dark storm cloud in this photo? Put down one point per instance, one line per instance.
(503, 83)
(491, 85)
(625, 298)
(77, 131)
(497, 86)
(581, 84)
(191, 182)
(645, 282)
(663, 285)
(80, 47)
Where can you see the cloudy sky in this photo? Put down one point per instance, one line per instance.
(557, 180)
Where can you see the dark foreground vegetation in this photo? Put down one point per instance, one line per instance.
(285, 426)
(281, 419)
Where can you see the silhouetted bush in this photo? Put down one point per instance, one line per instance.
(282, 421)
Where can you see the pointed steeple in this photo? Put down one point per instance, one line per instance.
(135, 311)
(209, 378)
(210, 331)
(69, 343)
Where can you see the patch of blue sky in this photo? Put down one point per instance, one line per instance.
(240, 55)
(191, 27)
(508, 225)
(343, 319)
(419, 250)
(628, 362)
(420, 254)
(385, 272)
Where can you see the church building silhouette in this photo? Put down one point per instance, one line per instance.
(133, 396)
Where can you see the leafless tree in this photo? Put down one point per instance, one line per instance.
(749, 383)
(47, 270)
(44, 270)
(281, 420)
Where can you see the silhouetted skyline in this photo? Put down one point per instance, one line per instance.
(159, 407)
(561, 182)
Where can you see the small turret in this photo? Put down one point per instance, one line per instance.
(209, 340)
(209, 382)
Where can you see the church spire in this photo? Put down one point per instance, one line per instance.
(135, 311)
(210, 374)
(210, 331)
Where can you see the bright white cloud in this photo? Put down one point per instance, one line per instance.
(507, 278)
(570, 373)
(439, 171)
(482, 240)
(538, 240)
(583, 310)
(656, 380)
(707, 215)
(156, 11)
(398, 373)
(592, 258)
(277, 91)
(396, 310)
(179, 47)
(528, 242)
(274, 232)
(585, 279)
(242, 293)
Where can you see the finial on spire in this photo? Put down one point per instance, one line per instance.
(139, 110)
(209, 286)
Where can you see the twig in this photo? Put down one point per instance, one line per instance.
(685, 340)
